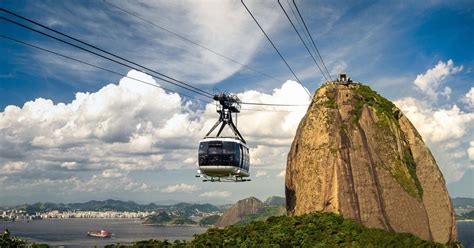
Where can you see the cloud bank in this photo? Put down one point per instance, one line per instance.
(97, 141)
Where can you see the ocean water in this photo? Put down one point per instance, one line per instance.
(466, 233)
(72, 232)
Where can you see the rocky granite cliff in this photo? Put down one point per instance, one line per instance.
(356, 154)
(240, 209)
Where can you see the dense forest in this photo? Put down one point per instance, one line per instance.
(317, 229)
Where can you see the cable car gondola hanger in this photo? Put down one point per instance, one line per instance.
(224, 159)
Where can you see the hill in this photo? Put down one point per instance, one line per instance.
(275, 200)
(463, 202)
(166, 219)
(357, 154)
(234, 214)
(263, 214)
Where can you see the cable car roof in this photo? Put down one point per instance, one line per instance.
(227, 139)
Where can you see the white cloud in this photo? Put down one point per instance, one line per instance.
(111, 174)
(282, 173)
(70, 165)
(261, 173)
(182, 187)
(430, 81)
(14, 166)
(216, 194)
(436, 125)
(202, 22)
(129, 127)
(469, 98)
(470, 151)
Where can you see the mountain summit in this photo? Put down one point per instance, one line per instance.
(356, 154)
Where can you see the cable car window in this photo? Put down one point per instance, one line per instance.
(228, 148)
(203, 148)
(215, 147)
(237, 154)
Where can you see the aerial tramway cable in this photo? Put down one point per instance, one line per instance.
(301, 38)
(144, 82)
(182, 37)
(119, 62)
(102, 56)
(312, 40)
(95, 47)
(96, 66)
(276, 49)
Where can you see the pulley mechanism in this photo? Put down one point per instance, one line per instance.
(226, 105)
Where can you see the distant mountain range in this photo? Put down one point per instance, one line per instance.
(462, 202)
(181, 208)
(178, 209)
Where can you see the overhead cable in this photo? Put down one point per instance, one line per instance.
(102, 56)
(312, 40)
(301, 38)
(102, 50)
(136, 79)
(276, 49)
(96, 66)
(182, 37)
(275, 104)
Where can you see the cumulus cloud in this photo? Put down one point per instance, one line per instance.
(436, 125)
(99, 139)
(470, 151)
(182, 187)
(430, 81)
(199, 21)
(282, 173)
(469, 98)
(14, 166)
(216, 194)
(111, 174)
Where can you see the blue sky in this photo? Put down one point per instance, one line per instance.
(416, 53)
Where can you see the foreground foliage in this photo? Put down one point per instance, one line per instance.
(6, 241)
(311, 230)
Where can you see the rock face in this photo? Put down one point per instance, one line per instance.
(234, 214)
(356, 154)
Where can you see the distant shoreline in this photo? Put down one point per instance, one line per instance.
(178, 225)
(468, 220)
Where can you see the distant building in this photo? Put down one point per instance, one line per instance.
(343, 79)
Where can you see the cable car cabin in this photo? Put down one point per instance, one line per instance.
(223, 158)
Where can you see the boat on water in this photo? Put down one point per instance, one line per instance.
(99, 234)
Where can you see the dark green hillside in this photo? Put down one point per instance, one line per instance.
(209, 221)
(311, 230)
(164, 218)
(264, 213)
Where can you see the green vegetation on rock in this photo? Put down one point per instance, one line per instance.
(403, 168)
(374, 100)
